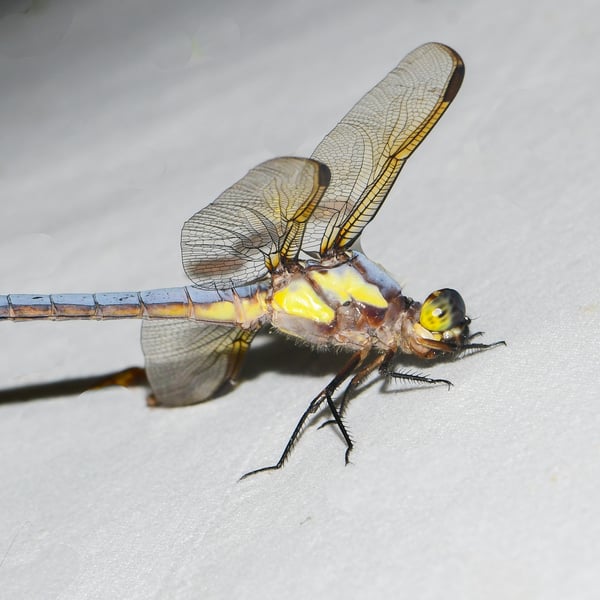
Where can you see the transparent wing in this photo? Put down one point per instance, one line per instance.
(369, 146)
(188, 361)
(259, 220)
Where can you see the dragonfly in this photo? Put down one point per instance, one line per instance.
(280, 249)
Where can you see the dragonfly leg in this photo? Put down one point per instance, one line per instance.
(479, 347)
(414, 377)
(386, 371)
(474, 335)
(337, 418)
(381, 362)
(325, 395)
(357, 379)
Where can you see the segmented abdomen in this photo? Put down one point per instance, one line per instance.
(167, 302)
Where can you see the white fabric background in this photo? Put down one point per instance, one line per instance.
(118, 120)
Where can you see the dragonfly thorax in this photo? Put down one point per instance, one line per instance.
(354, 304)
(349, 302)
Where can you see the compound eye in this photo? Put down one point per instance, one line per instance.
(443, 310)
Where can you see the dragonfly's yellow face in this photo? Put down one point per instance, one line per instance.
(443, 324)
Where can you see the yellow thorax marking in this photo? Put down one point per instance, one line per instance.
(346, 284)
(299, 299)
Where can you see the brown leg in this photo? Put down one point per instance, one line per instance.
(359, 376)
(386, 371)
(381, 362)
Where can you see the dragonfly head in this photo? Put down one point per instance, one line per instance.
(443, 326)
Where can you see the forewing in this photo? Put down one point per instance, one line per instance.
(260, 219)
(369, 146)
(189, 361)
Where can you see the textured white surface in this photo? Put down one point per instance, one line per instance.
(117, 122)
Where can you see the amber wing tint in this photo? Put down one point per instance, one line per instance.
(369, 146)
(260, 219)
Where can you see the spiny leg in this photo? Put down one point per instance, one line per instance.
(474, 335)
(381, 362)
(364, 371)
(313, 407)
(358, 378)
(386, 370)
(480, 347)
(337, 418)
(414, 377)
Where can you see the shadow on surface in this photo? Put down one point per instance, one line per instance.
(131, 377)
(268, 353)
